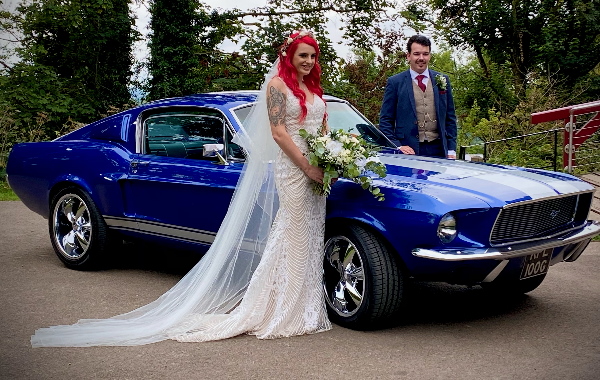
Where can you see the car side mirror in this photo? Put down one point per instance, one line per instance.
(214, 150)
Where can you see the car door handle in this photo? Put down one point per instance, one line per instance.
(135, 164)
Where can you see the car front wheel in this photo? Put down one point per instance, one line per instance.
(363, 282)
(77, 230)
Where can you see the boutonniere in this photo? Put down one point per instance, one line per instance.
(441, 82)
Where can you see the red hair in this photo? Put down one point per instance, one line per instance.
(289, 74)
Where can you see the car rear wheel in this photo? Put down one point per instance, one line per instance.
(78, 233)
(363, 282)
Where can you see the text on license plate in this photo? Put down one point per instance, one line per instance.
(536, 264)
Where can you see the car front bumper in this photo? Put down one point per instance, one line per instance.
(576, 241)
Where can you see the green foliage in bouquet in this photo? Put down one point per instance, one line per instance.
(341, 154)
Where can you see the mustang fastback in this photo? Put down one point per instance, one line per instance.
(165, 172)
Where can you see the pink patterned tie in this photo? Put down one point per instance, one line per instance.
(421, 85)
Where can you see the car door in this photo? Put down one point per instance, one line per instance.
(172, 189)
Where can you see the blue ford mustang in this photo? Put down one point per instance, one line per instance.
(152, 173)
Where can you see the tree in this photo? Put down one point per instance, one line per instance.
(9, 37)
(363, 78)
(87, 43)
(70, 62)
(184, 46)
(554, 37)
(186, 36)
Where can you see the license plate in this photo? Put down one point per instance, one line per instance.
(536, 264)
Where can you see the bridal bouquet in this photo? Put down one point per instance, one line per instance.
(341, 154)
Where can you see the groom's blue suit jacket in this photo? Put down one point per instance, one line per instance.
(398, 117)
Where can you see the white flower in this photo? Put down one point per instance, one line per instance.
(361, 163)
(346, 155)
(335, 147)
(441, 82)
(324, 139)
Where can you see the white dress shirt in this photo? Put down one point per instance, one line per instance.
(413, 75)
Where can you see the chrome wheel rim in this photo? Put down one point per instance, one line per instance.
(72, 231)
(343, 276)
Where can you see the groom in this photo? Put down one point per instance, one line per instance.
(417, 113)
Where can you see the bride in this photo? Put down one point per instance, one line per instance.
(262, 275)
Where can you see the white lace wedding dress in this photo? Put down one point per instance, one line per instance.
(285, 295)
(221, 296)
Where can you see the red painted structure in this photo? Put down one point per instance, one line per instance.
(578, 135)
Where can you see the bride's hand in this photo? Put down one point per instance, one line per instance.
(314, 173)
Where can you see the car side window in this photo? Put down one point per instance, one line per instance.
(183, 135)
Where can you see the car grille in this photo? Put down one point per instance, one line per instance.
(531, 220)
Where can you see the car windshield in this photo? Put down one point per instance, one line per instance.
(341, 116)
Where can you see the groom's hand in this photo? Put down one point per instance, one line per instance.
(406, 149)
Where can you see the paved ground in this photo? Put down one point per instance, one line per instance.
(594, 180)
(449, 332)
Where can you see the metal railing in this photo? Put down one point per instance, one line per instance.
(463, 149)
(580, 138)
(586, 133)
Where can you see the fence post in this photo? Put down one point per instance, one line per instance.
(554, 155)
(462, 152)
(485, 152)
(569, 146)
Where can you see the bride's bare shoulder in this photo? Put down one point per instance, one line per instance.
(277, 83)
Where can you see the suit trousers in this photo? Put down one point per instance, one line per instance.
(433, 148)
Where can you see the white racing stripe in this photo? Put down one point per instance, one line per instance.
(531, 188)
(533, 185)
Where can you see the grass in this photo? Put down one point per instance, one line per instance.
(6, 193)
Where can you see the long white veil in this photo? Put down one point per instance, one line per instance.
(218, 282)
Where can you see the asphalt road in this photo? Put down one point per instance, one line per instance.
(450, 332)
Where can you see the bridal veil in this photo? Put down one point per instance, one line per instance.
(219, 280)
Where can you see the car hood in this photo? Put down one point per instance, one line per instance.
(496, 185)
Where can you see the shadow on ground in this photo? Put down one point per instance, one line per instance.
(425, 303)
(151, 257)
(438, 303)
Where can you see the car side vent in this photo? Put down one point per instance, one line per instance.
(530, 220)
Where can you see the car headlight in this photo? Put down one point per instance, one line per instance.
(446, 230)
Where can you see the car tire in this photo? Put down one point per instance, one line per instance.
(78, 232)
(514, 287)
(364, 290)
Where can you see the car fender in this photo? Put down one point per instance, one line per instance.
(37, 171)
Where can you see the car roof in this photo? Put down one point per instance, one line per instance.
(224, 99)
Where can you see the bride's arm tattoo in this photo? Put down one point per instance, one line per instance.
(276, 106)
